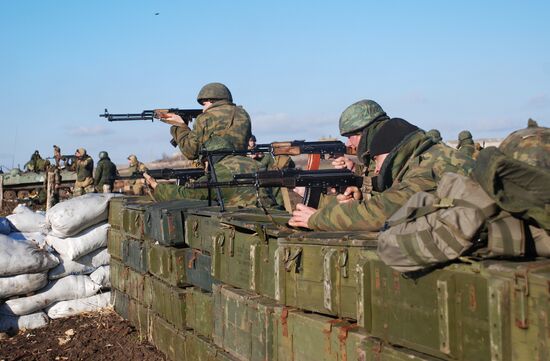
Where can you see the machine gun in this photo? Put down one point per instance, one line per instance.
(181, 175)
(186, 114)
(330, 148)
(316, 182)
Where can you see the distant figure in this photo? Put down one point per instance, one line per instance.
(105, 173)
(435, 134)
(36, 163)
(532, 123)
(135, 167)
(57, 155)
(84, 173)
(251, 145)
(465, 143)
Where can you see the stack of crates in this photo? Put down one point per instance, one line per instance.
(201, 284)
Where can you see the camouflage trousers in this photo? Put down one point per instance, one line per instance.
(83, 187)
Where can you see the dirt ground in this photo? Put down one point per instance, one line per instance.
(99, 336)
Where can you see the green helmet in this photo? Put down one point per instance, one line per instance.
(463, 135)
(214, 91)
(530, 145)
(103, 155)
(358, 115)
(435, 135)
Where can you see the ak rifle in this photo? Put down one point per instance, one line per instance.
(181, 175)
(330, 148)
(186, 114)
(316, 182)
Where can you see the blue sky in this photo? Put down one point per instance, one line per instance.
(294, 65)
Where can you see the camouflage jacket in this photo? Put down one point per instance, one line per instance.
(138, 167)
(467, 147)
(225, 169)
(223, 119)
(105, 173)
(84, 168)
(417, 165)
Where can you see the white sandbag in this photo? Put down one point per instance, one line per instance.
(28, 322)
(25, 219)
(67, 288)
(82, 266)
(23, 256)
(38, 237)
(68, 218)
(102, 276)
(76, 307)
(22, 284)
(85, 242)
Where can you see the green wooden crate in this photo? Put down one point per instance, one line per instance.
(120, 302)
(243, 323)
(317, 271)
(168, 339)
(168, 264)
(199, 311)
(242, 245)
(135, 254)
(118, 275)
(140, 317)
(373, 349)
(116, 206)
(468, 311)
(164, 221)
(198, 348)
(313, 337)
(167, 301)
(133, 219)
(115, 237)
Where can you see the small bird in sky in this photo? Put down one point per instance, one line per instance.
(157, 13)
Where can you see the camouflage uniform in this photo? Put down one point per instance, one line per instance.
(136, 186)
(222, 119)
(84, 174)
(417, 164)
(105, 175)
(225, 169)
(466, 144)
(435, 134)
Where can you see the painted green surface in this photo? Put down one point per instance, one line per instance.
(168, 264)
(134, 254)
(114, 243)
(199, 313)
(318, 271)
(375, 350)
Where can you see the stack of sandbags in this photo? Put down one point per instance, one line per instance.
(24, 269)
(54, 277)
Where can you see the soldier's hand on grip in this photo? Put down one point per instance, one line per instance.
(170, 118)
(350, 194)
(301, 215)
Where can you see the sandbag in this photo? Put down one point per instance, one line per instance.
(38, 237)
(67, 288)
(23, 256)
(68, 218)
(25, 219)
(432, 229)
(5, 226)
(89, 240)
(22, 284)
(84, 265)
(76, 307)
(10, 323)
(101, 276)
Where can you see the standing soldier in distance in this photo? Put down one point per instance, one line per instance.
(220, 118)
(57, 155)
(105, 173)
(465, 143)
(136, 167)
(84, 173)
